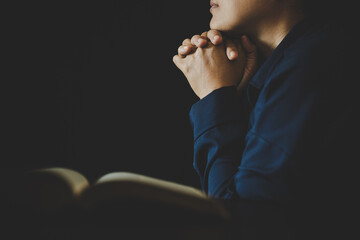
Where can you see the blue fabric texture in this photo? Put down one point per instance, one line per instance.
(272, 142)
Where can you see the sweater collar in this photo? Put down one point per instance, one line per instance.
(268, 65)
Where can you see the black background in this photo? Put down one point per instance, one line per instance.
(92, 87)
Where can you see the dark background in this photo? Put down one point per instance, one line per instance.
(92, 87)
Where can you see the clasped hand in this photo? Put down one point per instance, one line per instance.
(209, 65)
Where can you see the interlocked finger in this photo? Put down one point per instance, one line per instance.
(215, 36)
(187, 41)
(186, 48)
(199, 41)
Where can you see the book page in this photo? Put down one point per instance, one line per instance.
(120, 185)
(138, 178)
(75, 180)
(48, 189)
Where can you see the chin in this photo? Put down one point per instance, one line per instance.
(225, 28)
(215, 25)
(219, 27)
(212, 24)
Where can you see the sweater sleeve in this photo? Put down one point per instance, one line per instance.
(262, 155)
(277, 148)
(218, 128)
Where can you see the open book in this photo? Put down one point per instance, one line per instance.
(51, 189)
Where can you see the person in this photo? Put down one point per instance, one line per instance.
(274, 119)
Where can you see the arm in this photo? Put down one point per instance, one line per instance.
(218, 122)
(282, 151)
(241, 48)
(215, 79)
(278, 151)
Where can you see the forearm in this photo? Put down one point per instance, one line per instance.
(217, 155)
(219, 129)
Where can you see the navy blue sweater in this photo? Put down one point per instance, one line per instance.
(276, 140)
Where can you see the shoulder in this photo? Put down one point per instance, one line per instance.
(311, 64)
(317, 43)
(316, 55)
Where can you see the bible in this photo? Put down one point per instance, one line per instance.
(53, 189)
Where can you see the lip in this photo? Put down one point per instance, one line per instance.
(213, 5)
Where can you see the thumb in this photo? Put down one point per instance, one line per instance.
(233, 49)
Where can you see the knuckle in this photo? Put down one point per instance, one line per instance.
(211, 32)
(214, 35)
(194, 38)
(181, 49)
(214, 32)
(176, 60)
(186, 41)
